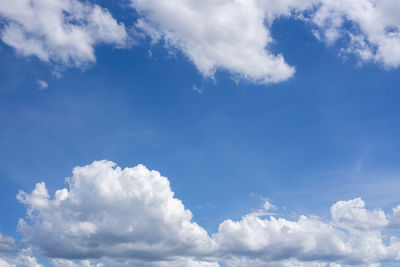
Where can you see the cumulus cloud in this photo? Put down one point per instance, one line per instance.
(69, 263)
(235, 35)
(114, 212)
(22, 259)
(395, 220)
(130, 217)
(308, 239)
(374, 34)
(62, 31)
(227, 35)
(7, 244)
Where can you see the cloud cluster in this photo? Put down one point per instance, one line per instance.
(228, 35)
(235, 35)
(353, 236)
(22, 259)
(126, 217)
(374, 31)
(63, 31)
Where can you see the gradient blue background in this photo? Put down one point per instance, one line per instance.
(329, 133)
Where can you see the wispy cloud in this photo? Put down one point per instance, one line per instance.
(197, 89)
(42, 84)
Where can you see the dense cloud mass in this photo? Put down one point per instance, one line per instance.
(109, 211)
(63, 31)
(230, 35)
(129, 217)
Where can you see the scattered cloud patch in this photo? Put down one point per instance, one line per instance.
(7, 244)
(126, 217)
(235, 35)
(198, 90)
(268, 206)
(232, 36)
(58, 31)
(374, 31)
(23, 259)
(227, 35)
(42, 84)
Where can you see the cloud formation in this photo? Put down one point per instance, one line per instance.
(114, 212)
(233, 36)
(374, 31)
(7, 244)
(228, 35)
(42, 84)
(126, 217)
(23, 259)
(61, 31)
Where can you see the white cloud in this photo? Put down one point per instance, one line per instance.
(375, 35)
(22, 259)
(7, 244)
(62, 31)
(307, 239)
(198, 90)
(246, 262)
(177, 262)
(235, 35)
(69, 263)
(109, 211)
(227, 35)
(354, 236)
(129, 217)
(395, 219)
(268, 206)
(42, 84)
(353, 215)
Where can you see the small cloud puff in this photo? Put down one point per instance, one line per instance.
(198, 90)
(42, 84)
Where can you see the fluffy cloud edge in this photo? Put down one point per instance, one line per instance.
(59, 32)
(232, 36)
(125, 216)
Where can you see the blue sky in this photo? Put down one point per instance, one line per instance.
(327, 133)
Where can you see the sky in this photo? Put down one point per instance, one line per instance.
(199, 133)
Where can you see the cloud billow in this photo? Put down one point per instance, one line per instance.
(126, 217)
(232, 36)
(60, 31)
(235, 35)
